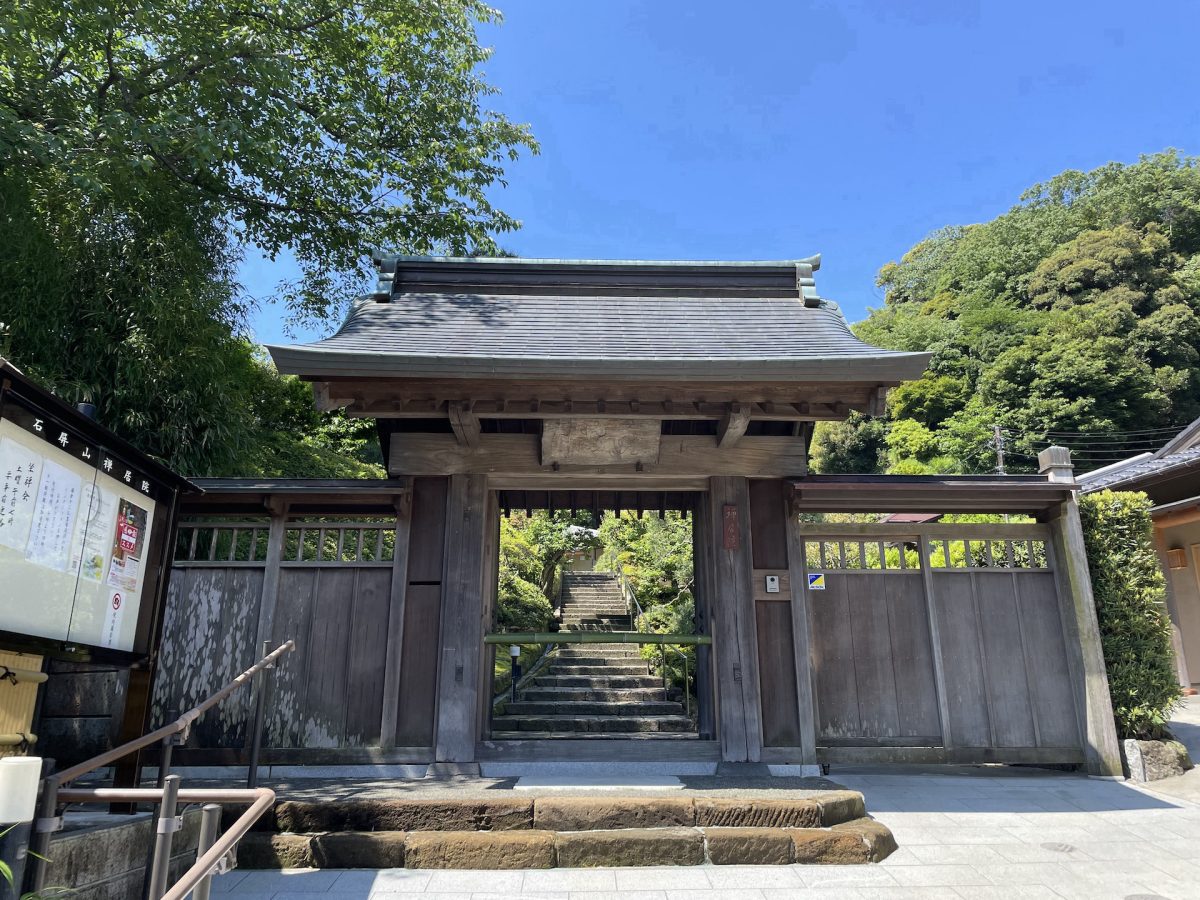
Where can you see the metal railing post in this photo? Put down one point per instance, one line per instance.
(44, 825)
(210, 823)
(260, 706)
(166, 750)
(167, 825)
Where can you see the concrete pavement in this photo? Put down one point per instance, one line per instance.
(965, 833)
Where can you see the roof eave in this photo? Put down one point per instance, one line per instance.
(318, 364)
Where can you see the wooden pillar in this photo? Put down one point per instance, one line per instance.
(1085, 651)
(462, 619)
(278, 508)
(801, 637)
(396, 612)
(706, 704)
(734, 632)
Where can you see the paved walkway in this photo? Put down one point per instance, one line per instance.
(964, 834)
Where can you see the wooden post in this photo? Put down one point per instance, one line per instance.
(801, 636)
(734, 631)
(396, 610)
(462, 620)
(270, 587)
(1102, 749)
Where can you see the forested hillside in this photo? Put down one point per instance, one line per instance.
(1073, 318)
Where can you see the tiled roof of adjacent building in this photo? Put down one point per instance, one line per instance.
(1138, 470)
(699, 320)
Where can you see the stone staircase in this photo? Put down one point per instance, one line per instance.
(506, 830)
(593, 690)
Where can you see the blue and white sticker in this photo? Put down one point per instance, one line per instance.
(816, 581)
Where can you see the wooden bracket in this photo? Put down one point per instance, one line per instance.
(733, 424)
(877, 403)
(322, 399)
(464, 422)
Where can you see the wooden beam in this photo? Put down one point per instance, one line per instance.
(733, 424)
(465, 423)
(518, 454)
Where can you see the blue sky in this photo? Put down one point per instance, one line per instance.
(773, 130)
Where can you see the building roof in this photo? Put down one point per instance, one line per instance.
(1140, 470)
(729, 321)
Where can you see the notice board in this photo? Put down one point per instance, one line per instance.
(84, 527)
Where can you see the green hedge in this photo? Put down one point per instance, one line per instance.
(1130, 603)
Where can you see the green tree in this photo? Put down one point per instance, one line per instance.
(1077, 311)
(316, 126)
(144, 147)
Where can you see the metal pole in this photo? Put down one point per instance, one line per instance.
(167, 749)
(260, 706)
(210, 824)
(45, 824)
(168, 824)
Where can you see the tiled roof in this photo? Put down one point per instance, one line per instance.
(1139, 470)
(726, 320)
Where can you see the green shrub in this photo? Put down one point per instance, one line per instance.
(1130, 604)
(521, 606)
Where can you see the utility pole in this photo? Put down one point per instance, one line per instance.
(998, 441)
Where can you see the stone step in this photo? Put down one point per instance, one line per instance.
(566, 669)
(594, 736)
(547, 831)
(539, 708)
(623, 695)
(598, 682)
(587, 724)
(597, 659)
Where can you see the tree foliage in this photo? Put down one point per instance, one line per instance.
(1130, 604)
(144, 147)
(1076, 311)
(654, 552)
(532, 549)
(319, 126)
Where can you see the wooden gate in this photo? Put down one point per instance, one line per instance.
(946, 639)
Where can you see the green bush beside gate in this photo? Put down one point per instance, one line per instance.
(1130, 603)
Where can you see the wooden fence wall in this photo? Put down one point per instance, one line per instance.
(360, 596)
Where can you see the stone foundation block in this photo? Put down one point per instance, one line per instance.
(599, 813)
(749, 846)
(876, 837)
(728, 812)
(860, 841)
(501, 814)
(841, 806)
(1152, 760)
(630, 847)
(479, 850)
(359, 850)
(275, 851)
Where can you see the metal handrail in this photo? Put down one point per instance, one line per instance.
(631, 600)
(52, 785)
(208, 858)
(594, 637)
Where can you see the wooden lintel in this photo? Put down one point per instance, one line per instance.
(465, 423)
(733, 424)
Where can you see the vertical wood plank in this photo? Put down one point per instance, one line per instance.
(397, 593)
(801, 638)
(833, 661)
(462, 619)
(734, 632)
(369, 636)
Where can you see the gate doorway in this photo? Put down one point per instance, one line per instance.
(608, 652)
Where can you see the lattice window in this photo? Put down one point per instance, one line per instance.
(224, 541)
(340, 541)
(862, 554)
(987, 553)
